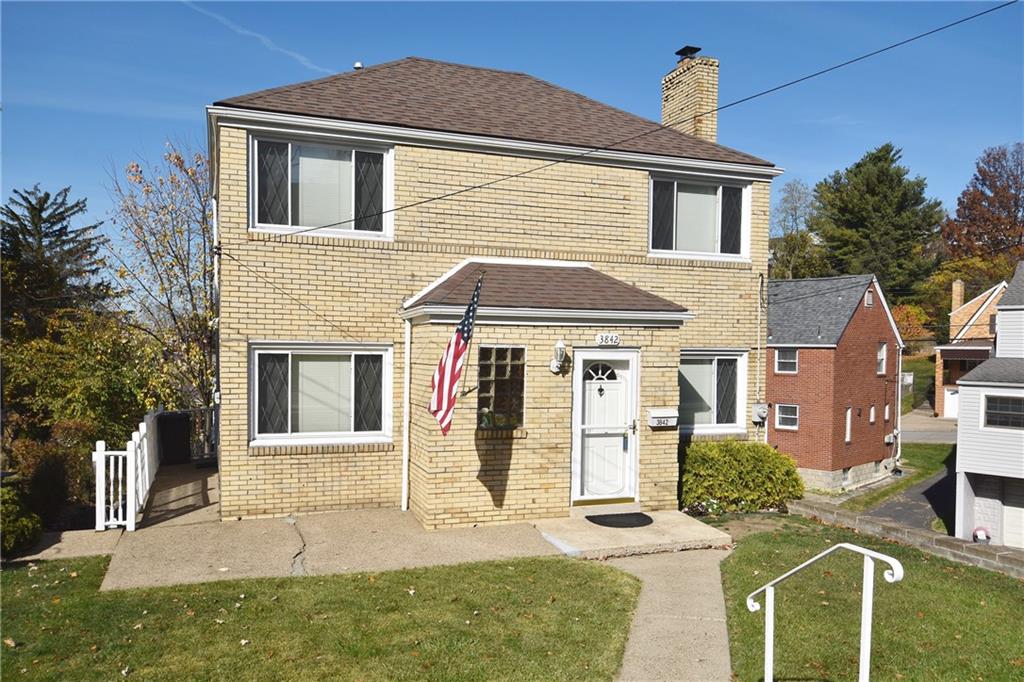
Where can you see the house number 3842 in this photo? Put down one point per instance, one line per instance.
(607, 339)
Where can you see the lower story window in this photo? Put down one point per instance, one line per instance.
(502, 376)
(319, 392)
(1004, 412)
(712, 391)
(787, 417)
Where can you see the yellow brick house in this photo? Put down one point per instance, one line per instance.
(621, 313)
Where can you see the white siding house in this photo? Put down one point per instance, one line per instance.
(990, 433)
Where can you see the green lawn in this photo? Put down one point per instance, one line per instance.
(550, 618)
(926, 459)
(944, 621)
(923, 368)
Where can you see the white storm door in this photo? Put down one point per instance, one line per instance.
(607, 430)
(951, 404)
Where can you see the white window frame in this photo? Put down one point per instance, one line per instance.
(526, 364)
(323, 438)
(796, 360)
(745, 210)
(882, 356)
(886, 417)
(983, 417)
(778, 414)
(871, 414)
(869, 299)
(348, 231)
(849, 424)
(739, 426)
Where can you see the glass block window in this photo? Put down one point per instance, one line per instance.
(501, 382)
(708, 391)
(786, 360)
(320, 392)
(697, 218)
(1004, 412)
(311, 185)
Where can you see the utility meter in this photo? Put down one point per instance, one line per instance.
(759, 413)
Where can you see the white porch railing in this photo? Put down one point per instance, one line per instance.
(124, 477)
(892, 574)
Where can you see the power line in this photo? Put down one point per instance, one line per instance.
(658, 127)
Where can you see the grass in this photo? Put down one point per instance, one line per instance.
(926, 459)
(549, 618)
(923, 367)
(943, 621)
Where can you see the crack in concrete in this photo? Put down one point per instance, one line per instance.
(299, 558)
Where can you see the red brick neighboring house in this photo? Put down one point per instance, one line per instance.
(834, 362)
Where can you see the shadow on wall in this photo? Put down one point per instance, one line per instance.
(494, 450)
(690, 405)
(942, 495)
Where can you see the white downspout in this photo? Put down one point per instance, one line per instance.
(406, 374)
(899, 404)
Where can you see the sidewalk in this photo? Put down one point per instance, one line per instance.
(678, 630)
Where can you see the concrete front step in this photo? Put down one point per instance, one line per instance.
(585, 510)
(671, 531)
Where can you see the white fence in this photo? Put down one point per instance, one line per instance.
(124, 477)
(892, 574)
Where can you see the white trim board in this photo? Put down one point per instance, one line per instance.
(446, 314)
(977, 313)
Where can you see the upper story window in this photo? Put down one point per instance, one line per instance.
(699, 219)
(786, 360)
(1004, 412)
(341, 190)
(881, 357)
(869, 299)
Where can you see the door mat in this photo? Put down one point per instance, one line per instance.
(632, 520)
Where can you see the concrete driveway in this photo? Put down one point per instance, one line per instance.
(919, 426)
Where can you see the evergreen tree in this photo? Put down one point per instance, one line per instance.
(874, 218)
(48, 265)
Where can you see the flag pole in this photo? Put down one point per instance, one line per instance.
(469, 347)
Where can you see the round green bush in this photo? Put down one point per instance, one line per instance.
(20, 529)
(737, 476)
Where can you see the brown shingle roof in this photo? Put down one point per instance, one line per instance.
(543, 286)
(427, 94)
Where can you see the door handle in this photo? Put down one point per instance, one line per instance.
(632, 426)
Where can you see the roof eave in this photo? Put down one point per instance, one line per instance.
(446, 314)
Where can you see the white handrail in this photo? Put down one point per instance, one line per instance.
(892, 574)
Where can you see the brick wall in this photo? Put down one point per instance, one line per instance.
(688, 90)
(571, 211)
(811, 388)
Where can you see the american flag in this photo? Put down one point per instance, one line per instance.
(445, 384)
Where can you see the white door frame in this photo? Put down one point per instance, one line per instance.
(582, 356)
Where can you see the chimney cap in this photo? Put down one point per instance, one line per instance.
(687, 52)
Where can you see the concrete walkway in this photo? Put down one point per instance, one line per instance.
(919, 426)
(668, 531)
(679, 630)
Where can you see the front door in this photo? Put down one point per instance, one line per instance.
(951, 403)
(604, 452)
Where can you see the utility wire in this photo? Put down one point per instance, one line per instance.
(658, 127)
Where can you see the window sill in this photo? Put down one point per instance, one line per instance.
(786, 428)
(793, 373)
(363, 235)
(715, 430)
(321, 440)
(500, 434)
(700, 256)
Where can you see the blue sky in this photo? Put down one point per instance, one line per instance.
(88, 87)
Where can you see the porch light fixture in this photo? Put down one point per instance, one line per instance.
(558, 357)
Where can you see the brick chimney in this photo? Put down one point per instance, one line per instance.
(689, 90)
(958, 294)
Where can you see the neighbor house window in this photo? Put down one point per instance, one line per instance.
(787, 417)
(712, 392)
(887, 412)
(1004, 412)
(880, 358)
(869, 299)
(849, 424)
(786, 360)
(314, 185)
(319, 393)
(692, 217)
(502, 381)
(871, 414)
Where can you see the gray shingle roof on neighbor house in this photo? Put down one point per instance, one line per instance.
(811, 312)
(996, 371)
(1013, 297)
(441, 96)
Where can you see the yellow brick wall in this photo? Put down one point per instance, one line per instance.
(687, 92)
(315, 288)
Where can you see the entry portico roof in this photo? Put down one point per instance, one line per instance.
(528, 291)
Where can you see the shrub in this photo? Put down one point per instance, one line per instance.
(737, 476)
(56, 472)
(19, 528)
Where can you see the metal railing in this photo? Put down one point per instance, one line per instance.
(892, 574)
